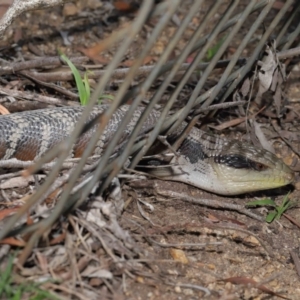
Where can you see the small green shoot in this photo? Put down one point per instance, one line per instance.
(106, 96)
(29, 290)
(87, 86)
(211, 52)
(278, 211)
(83, 85)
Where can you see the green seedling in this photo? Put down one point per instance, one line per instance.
(211, 52)
(13, 291)
(278, 210)
(83, 85)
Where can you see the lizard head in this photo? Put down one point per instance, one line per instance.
(242, 168)
(225, 167)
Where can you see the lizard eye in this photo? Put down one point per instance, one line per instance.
(239, 162)
(258, 166)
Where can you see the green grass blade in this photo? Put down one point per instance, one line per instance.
(213, 50)
(5, 277)
(41, 294)
(264, 202)
(271, 216)
(87, 87)
(79, 82)
(17, 295)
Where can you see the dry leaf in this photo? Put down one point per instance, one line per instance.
(8, 212)
(267, 68)
(16, 182)
(3, 110)
(95, 271)
(13, 242)
(125, 7)
(245, 88)
(261, 137)
(58, 239)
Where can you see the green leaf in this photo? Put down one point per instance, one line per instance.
(271, 216)
(87, 87)
(5, 277)
(213, 50)
(279, 209)
(79, 82)
(286, 204)
(105, 96)
(264, 202)
(17, 295)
